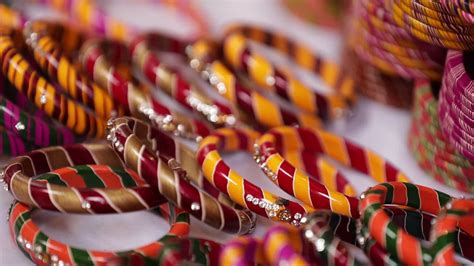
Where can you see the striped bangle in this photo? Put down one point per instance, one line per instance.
(11, 17)
(80, 198)
(444, 234)
(313, 193)
(173, 150)
(166, 174)
(49, 43)
(172, 82)
(243, 251)
(241, 191)
(91, 16)
(32, 128)
(402, 246)
(284, 245)
(13, 145)
(43, 94)
(43, 250)
(267, 113)
(239, 55)
(102, 57)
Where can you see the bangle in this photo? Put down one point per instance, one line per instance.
(91, 16)
(326, 13)
(298, 184)
(43, 94)
(156, 170)
(239, 55)
(244, 250)
(241, 191)
(172, 150)
(11, 17)
(202, 57)
(455, 103)
(445, 230)
(395, 240)
(18, 174)
(46, 41)
(171, 81)
(43, 250)
(32, 129)
(429, 146)
(283, 244)
(102, 57)
(12, 144)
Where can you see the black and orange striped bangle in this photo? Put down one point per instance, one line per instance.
(102, 60)
(238, 54)
(50, 43)
(173, 83)
(43, 94)
(156, 168)
(202, 56)
(71, 196)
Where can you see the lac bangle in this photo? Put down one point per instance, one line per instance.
(93, 197)
(165, 174)
(161, 143)
(43, 94)
(445, 230)
(102, 58)
(239, 55)
(241, 191)
(267, 113)
(43, 250)
(32, 128)
(49, 43)
(298, 184)
(91, 16)
(396, 241)
(456, 99)
(172, 82)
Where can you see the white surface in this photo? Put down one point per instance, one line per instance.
(380, 128)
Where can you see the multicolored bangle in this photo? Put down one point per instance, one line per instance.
(445, 230)
(283, 244)
(101, 59)
(157, 171)
(43, 94)
(429, 146)
(239, 55)
(49, 43)
(243, 251)
(10, 17)
(396, 241)
(12, 144)
(241, 191)
(456, 102)
(91, 16)
(202, 57)
(43, 250)
(168, 147)
(89, 197)
(171, 80)
(300, 185)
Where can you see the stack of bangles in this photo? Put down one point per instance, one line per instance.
(432, 150)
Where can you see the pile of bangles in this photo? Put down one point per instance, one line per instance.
(85, 113)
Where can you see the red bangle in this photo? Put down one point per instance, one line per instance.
(102, 59)
(171, 81)
(78, 198)
(155, 169)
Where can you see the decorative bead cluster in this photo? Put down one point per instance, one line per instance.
(112, 138)
(211, 112)
(2, 180)
(258, 158)
(275, 210)
(39, 254)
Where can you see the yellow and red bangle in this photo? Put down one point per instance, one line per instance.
(43, 250)
(171, 80)
(50, 43)
(202, 57)
(91, 16)
(445, 230)
(313, 193)
(241, 191)
(239, 55)
(10, 17)
(102, 60)
(43, 94)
